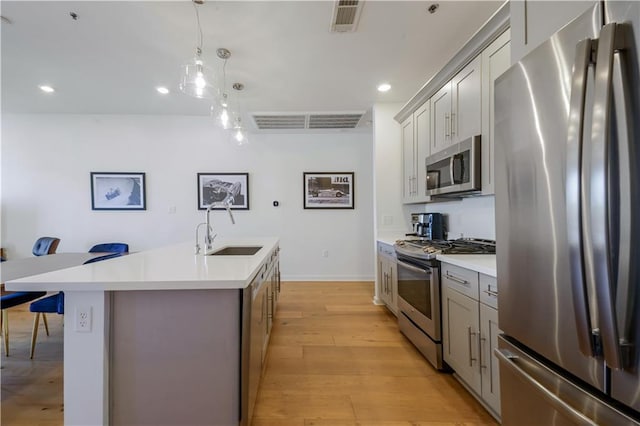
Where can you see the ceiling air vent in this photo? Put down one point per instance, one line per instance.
(334, 121)
(273, 122)
(346, 14)
(310, 121)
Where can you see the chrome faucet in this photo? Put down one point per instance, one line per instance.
(197, 236)
(209, 236)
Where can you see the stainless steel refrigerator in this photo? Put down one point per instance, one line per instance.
(567, 131)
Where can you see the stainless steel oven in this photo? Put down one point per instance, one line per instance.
(419, 305)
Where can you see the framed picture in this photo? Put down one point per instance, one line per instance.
(327, 190)
(118, 191)
(216, 187)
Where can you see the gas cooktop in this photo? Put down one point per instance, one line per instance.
(428, 249)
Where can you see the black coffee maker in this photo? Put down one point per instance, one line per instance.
(428, 225)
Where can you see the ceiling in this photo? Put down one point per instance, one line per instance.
(110, 59)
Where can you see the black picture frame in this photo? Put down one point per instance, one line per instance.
(214, 187)
(328, 190)
(118, 191)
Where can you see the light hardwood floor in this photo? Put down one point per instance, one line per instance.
(334, 359)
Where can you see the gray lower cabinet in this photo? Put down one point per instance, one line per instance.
(470, 332)
(388, 276)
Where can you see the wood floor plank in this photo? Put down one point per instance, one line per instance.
(334, 359)
(352, 349)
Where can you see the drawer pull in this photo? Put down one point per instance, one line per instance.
(456, 279)
(491, 293)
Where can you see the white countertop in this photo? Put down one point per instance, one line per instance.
(390, 238)
(174, 267)
(483, 263)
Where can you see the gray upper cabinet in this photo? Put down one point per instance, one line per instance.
(466, 107)
(533, 22)
(415, 148)
(495, 61)
(456, 108)
(408, 159)
(441, 118)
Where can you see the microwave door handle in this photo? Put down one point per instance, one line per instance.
(626, 267)
(574, 213)
(451, 173)
(599, 198)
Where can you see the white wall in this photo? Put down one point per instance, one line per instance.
(389, 215)
(46, 161)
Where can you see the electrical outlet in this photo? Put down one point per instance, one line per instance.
(83, 319)
(325, 253)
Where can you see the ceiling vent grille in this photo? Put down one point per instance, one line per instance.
(311, 121)
(346, 14)
(273, 122)
(334, 121)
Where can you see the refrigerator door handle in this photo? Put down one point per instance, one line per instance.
(575, 214)
(509, 360)
(600, 198)
(625, 288)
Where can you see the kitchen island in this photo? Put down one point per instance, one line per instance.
(163, 336)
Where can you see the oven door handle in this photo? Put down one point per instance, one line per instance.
(414, 268)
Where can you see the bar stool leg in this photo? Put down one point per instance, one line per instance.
(5, 331)
(46, 324)
(34, 333)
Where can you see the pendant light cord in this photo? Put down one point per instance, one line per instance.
(224, 76)
(195, 8)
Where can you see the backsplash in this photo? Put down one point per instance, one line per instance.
(472, 217)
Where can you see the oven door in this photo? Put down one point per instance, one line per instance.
(419, 296)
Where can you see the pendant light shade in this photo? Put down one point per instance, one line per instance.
(197, 79)
(222, 113)
(238, 133)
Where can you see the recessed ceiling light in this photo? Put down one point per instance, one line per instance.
(162, 90)
(384, 87)
(47, 89)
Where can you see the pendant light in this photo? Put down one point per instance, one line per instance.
(197, 79)
(238, 132)
(221, 109)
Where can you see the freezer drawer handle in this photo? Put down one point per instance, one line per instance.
(509, 360)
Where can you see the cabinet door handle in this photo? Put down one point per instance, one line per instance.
(482, 343)
(453, 123)
(446, 125)
(471, 358)
(491, 293)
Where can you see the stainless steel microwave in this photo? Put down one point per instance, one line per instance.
(455, 170)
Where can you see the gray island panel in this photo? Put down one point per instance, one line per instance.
(175, 357)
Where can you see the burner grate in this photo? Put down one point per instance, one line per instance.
(459, 246)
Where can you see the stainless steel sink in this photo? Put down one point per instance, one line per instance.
(236, 251)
